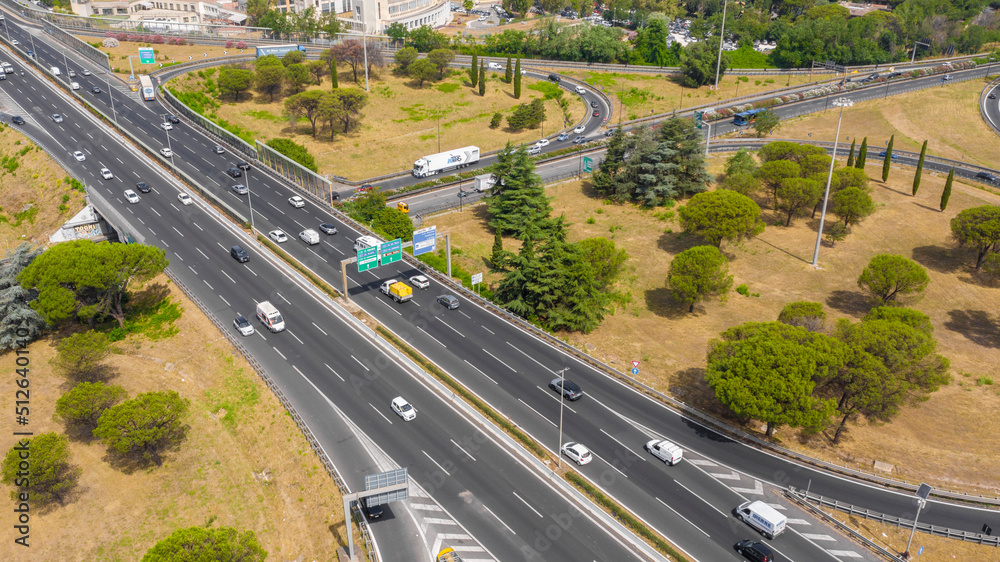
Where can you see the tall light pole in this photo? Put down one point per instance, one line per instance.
(722, 35)
(842, 103)
(562, 400)
(250, 201)
(922, 492)
(167, 131)
(107, 83)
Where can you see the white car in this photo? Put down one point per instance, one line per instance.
(420, 281)
(15, 42)
(243, 325)
(494, 66)
(579, 129)
(86, 72)
(403, 408)
(80, 156)
(542, 143)
(131, 196)
(278, 236)
(581, 90)
(74, 85)
(166, 152)
(577, 453)
(166, 126)
(184, 198)
(296, 201)
(106, 174)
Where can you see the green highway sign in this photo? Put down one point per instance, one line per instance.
(146, 56)
(391, 251)
(697, 118)
(367, 258)
(588, 165)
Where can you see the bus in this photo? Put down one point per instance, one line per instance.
(146, 85)
(746, 117)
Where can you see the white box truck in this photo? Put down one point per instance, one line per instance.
(762, 517)
(484, 182)
(365, 242)
(665, 451)
(270, 316)
(450, 160)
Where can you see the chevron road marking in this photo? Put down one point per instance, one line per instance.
(758, 489)
(426, 507)
(845, 554)
(701, 462)
(818, 537)
(778, 506)
(731, 476)
(798, 522)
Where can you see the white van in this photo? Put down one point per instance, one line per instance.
(270, 316)
(55, 70)
(309, 236)
(665, 451)
(762, 517)
(365, 242)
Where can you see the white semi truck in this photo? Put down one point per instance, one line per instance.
(450, 160)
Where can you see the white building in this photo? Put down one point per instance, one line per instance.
(160, 11)
(374, 16)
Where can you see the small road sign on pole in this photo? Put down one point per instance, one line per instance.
(588, 165)
(635, 371)
(635, 364)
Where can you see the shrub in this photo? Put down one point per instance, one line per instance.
(229, 44)
(110, 43)
(241, 45)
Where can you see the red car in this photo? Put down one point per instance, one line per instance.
(597, 114)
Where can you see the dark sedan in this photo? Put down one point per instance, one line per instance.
(95, 90)
(234, 172)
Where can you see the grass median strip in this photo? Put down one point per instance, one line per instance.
(612, 507)
(299, 267)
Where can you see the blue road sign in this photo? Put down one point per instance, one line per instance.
(635, 371)
(424, 240)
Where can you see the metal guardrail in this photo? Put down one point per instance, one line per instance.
(82, 47)
(978, 538)
(793, 495)
(304, 178)
(207, 124)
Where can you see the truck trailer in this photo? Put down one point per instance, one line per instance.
(450, 160)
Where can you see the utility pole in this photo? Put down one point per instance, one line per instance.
(842, 103)
(562, 401)
(722, 39)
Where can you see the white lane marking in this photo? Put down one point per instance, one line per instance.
(682, 517)
(198, 227)
(536, 411)
(203, 254)
(437, 465)
(480, 372)
(318, 256)
(225, 301)
(206, 282)
(532, 358)
(283, 298)
(320, 329)
(379, 412)
(438, 318)
(499, 361)
(549, 394)
(227, 276)
(700, 498)
(177, 231)
(609, 464)
(279, 353)
(360, 363)
(335, 372)
(432, 337)
(500, 520)
(250, 270)
(641, 457)
(159, 215)
(487, 329)
(529, 505)
(294, 336)
(463, 450)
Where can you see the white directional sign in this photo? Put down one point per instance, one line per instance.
(477, 278)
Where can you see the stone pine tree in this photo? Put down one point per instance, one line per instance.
(888, 159)
(482, 79)
(947, 189)
(509, 73)
(920, 169)
(333, 73)
(850, 157)
(517, 79)
(474, 71)
(862, 154)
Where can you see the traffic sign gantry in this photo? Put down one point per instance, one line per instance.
(391, 251)
(588, 164)
(367, 258)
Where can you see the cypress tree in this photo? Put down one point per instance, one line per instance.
(509, 73)
(333, 73)
(850, 157)
(473, 71)
(862, 154)
(482, 79)
(920, 169)
(499, 257)
(947, 190)
(517, 79)
(888, 159)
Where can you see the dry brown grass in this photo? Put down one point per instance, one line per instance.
(164, 53)
(936, 549)
(36, 183)
(239, 431)
(399, 124)
(947, 115)
(948, 440)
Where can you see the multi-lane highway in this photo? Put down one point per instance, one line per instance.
(508, 367)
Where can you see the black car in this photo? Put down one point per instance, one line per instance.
(753, 550)
(95, 90)
(986, 176)
(571, 390)
(17, 120)
(328, 228)
(243, 165)
(173, 119)
(371, 511)
(234, 172)
(239, 254)
(894, 75)
(992, 96)
(610, 132)
(143, 187)
(554, 78)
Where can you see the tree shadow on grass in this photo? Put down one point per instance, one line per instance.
(928, 207)
(148, 299)
(661, 302)
(938, 258)
(853, 303)
(978, 326)
(894, 190)
(674, 243)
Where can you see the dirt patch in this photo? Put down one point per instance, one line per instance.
(401, 122)
(244, 464)
(924, 442)
(118, 56)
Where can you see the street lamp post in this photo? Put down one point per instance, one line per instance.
(722, 39)
(253, 229)
(111, 95)
(562, 400)
(842, 103)
(922, 492)
(170, 150)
